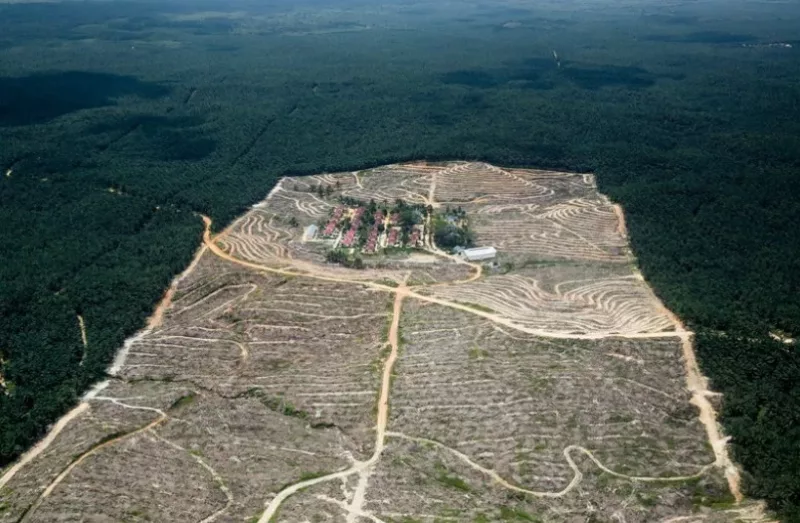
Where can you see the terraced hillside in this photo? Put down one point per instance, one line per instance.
(548, 384)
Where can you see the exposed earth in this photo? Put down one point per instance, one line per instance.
(548, 384)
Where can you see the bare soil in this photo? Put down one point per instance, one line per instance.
(271, 386)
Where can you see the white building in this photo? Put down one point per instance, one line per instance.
(479, 253)
(311, 232)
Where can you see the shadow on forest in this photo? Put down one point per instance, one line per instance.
(592, 78)
(209, 25)
(165, 138)
(543, 73)
(671, 19)
(702, 37)
(471, 78)
(222, 48)
(41, 97)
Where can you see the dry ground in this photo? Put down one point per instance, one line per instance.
(271, 386)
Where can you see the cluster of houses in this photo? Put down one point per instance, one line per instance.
(350, 236)
(382, 233)
(372, 239)
(330, 227)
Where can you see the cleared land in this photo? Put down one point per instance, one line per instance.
(548, 385)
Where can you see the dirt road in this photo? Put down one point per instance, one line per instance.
(44, 443)
(353, 507)
(359, 467)
(697, 384)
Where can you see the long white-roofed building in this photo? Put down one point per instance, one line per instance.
(479, 253)
(310, 232)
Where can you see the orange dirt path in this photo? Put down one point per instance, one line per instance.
(156, 319)
(696, 383)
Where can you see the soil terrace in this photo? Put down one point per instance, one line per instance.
(549, 385)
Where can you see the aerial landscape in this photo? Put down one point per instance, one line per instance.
(401, 261)
(541, 382)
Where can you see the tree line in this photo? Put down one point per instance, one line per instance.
(700, 143)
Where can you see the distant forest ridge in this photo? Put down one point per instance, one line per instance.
(120, 121)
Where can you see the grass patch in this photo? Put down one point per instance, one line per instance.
(620, 418)
(453, 482)
(449, 480)
(477, 353)
(305, 476)
(393, 251)
(279, 404)
(183, 401)
(646, 500)
(540, 384)
(477, 307)
(388, 282)
(378, 362)
(138, 513)
(516, 514)
(706, 495)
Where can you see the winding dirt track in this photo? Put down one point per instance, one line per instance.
(218, 251)
(360, 467)
(66, 472)
(44, 443)
(157, 317)
(696, 383)
(698, 386)
(354, 509)
(153, 323)
(576, 479)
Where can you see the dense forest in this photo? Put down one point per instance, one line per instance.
(120, 121)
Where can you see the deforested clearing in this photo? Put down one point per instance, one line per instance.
(328, 358)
